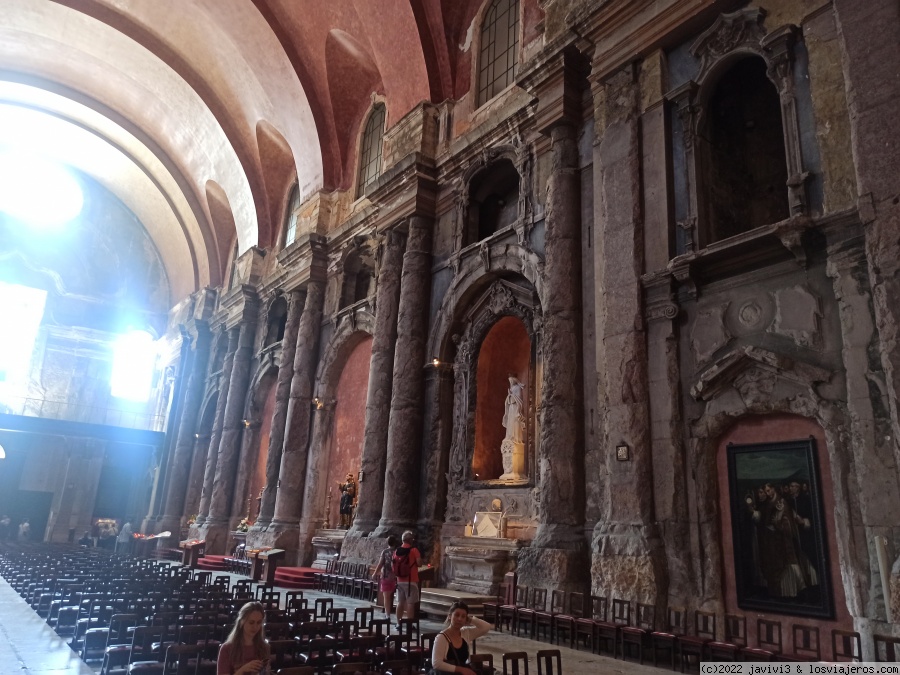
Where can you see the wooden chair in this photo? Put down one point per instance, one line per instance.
(586, 625)
(694, 645)
(735, 640)
(350, 668)
(515, 663)
(667, 640)
(182, 659)
(507, 614)
(491, 610)
(318, 653)
(543, 619)
(846, 646)
(638, 636)
(768, 641)
(283, 653)
(607, 632)
(549, 662)
(807, 646)
(483, 663)
(322, 606)
(527, 615)
(397, 667)
(297, 670)
(565, 621)
(886, 648)
(420, 653)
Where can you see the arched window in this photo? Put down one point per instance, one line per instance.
(370, 149)
(290, 220)
(499, 47)
(493, 201)
(742, 153)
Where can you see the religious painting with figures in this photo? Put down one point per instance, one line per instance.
(780, 550)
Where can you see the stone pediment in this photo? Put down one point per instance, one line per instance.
(754, 372)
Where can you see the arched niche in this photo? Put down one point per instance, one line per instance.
(743, 171)
(358, 277)
(499, 338)
(505, 353)
(276, 320)
(493, 201)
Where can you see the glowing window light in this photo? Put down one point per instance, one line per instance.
(134, 359)
(22, 309)
(38, 191)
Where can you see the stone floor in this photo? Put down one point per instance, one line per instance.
(29, 645)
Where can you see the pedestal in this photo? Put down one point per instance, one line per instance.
(191, 552)
(327, 545)
(478, 564)
(513, 454)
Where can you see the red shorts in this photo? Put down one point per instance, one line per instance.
(387, 585)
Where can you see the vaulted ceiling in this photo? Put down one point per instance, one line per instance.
(200, 114)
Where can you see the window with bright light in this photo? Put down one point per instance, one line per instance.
(370, 149)
(499, 49)
(25, 181)
(290, 229)
(134, 360)
(22, 309)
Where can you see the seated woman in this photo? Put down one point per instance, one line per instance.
(245, 652)
(450, 653)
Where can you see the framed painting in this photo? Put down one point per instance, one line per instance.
(780, 547)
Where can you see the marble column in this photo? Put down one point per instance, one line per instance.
(404, 438)
(212, 454)
(558, 554)
(292, 474)
(282, 401)
(232, 429)
(316, 493)
(180, 465)
(378, 399)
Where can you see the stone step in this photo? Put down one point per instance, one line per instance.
(295, 577)
(435, 602)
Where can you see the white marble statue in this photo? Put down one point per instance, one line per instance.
(512, 449)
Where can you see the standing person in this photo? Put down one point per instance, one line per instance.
(245, 651)
(405, 564)
(4, 527)
(123, 540)
(24, 530)
(384, 572)
(450, 652)
(86, 540)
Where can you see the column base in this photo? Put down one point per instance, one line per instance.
(283, 536)
(215, 535)
(628, 561)
(557, 562)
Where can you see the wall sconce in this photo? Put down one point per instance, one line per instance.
(360, 476)
(197, 436)
(247, 424)
(319, 403)
(435, 362)
(623, 452)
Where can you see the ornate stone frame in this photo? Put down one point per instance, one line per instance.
(732, 37)
(501, 299)
(753, 381)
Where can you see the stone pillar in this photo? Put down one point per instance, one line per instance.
(378, 400)
(180, 465)
(404, 440)
(628, 555)
(229, 446)
(316, 492)
(212, 454)
(296, 436)
(557, 556)
(279, 416)
(195, 478)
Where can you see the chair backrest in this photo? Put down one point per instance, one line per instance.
(336, 614)
(182, 659)
(768, 635)
(482, 662)
(645, 616)
(297, 670)
(705, 625)
(887, 648)
(806, 641)
(515, 663)
(576, 604)
(736, 630)
(599, 608)
(322, 607)
(522, 595)
(621, 612)
(398, 667)
(347, 668)
(845, 645)
(539, 599)
(363, 616)
(676, 621)
(558, 602)
(549, 662)
(279, 649)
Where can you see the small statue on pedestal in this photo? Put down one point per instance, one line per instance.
(348, 498)
(513, 446)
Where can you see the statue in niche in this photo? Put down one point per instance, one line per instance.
(348, 498)
(513, 447)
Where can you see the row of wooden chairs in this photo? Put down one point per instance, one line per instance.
(630, 630)
(349, 579)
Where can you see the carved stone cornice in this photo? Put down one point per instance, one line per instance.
(407, 188)
(558, 88)
(740, 30)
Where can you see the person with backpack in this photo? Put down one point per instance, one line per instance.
(406, 561)
(384, 571)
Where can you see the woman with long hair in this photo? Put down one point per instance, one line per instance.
(450, 652)
(245, 652)
(384, 572)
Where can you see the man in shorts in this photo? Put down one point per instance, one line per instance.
(407, 576)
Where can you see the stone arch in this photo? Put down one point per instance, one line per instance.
(276, 319)
(752, 382)
(352, 329)
(474, 274)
